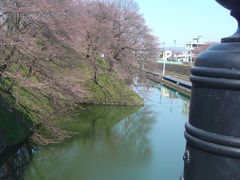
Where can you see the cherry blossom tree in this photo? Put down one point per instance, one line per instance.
(202, 47)
(109, 30)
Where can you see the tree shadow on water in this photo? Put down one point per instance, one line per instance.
(14, 161)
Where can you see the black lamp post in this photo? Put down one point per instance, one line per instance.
(213, 131)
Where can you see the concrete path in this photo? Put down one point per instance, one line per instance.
(176, 80)
(181, 82)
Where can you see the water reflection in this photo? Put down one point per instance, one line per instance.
(134, 129)
(91, 121)
(118, 142)
(14, 161)
(172, 94)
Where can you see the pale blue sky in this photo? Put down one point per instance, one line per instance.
(182, 20)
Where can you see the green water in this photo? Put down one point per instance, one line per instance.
(117, 143)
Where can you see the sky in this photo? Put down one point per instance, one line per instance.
(183, 20)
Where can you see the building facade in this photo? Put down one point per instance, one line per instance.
(166, 55)
(189, 50)
(181, 57)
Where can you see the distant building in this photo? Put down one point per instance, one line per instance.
(189, 50)
(166, 55)
(188, 56)
(169, 56)
(181, 57)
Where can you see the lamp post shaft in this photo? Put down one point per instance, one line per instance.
(213, 131)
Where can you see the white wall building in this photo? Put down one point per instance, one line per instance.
(166, 55)
(181, 57)
(190, 46)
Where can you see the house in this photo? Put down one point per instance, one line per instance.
(181, 57)
(166, 55)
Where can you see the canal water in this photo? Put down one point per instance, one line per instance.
(113, 143)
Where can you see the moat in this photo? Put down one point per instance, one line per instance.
(112, 142)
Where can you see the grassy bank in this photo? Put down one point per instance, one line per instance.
(111, 91)
(35, 99)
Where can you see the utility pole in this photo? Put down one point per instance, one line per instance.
(198, 38)
(175, 49)
(163, 72)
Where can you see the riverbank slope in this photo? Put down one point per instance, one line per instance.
(62, 83)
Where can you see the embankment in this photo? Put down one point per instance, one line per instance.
(30, 100)
(184, 70)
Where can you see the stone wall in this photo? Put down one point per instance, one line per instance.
(178, 69)
(179, 88)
